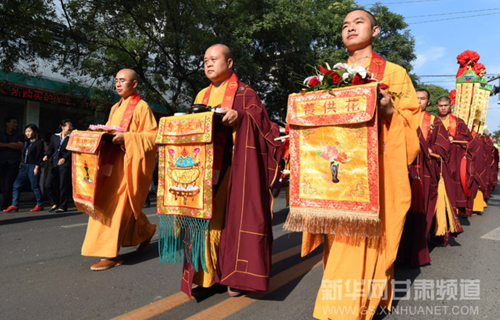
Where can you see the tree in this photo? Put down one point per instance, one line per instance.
(26, 33)
(436, 92)
(164, 41)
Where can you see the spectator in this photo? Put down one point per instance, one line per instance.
(30, 169)
(59, 168)
(11, 144)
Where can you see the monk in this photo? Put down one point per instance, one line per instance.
(122, 222)
(368, 265)
(239, 239)
(460, 136)
(424, 177)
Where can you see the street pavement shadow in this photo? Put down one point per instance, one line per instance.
(134, 257)
(37, 217)
(279, 217)
(404, 276)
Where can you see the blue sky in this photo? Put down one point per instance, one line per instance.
(438, 43)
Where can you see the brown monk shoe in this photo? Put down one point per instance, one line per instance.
(106, 264)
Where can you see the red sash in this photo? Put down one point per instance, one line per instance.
(452, 128)
(426, 121)
(376, 66)
(129, 112)
(227, 101)
(220, 135)
(463, 174)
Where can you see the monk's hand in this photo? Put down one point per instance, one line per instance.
(230, 117)
(430, 150)
(385, 103)
(450, 138)
(119, 138)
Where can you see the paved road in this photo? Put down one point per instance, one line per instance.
(43, 276)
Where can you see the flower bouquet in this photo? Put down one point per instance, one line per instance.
(342, 75)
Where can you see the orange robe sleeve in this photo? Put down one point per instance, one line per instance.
(140, 155)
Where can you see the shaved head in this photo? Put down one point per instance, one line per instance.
(131, 74)
(369, 15)
(226, 52)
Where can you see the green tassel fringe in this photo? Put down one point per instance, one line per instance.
(183, 237)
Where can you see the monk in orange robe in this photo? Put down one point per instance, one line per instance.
(120, 221)
(367, 266)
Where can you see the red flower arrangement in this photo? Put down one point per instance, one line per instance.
(453, 95)
(342, 75)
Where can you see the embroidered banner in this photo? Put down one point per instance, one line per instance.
(185, 166)
(85, 168)
(334, 173)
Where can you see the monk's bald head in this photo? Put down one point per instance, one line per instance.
(224, 50)
(368, 15)
(130, 73)
(218, 62)
(126, 82)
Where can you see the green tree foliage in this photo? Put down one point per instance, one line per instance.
(26, 33)
(436, 92)
(165, 40)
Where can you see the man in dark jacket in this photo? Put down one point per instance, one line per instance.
(60, 168)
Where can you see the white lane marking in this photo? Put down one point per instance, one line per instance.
(492, 235)
(85, 223)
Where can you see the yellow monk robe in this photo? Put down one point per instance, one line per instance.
(202, 278)
(126, 189)
(367, 262)
(479, 203)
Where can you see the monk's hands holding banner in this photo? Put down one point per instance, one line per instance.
(385, 103)
(230, 117)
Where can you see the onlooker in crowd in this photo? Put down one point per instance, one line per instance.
(11, 144)
(60, 168)
(30, 170)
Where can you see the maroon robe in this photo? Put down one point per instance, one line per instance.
(492, 166)
(244, 259)
(452, 180)
(413, 249)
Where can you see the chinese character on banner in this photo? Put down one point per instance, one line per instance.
(47, 96)
(352, 105)
(28, 94)
(309, 109)
(38, 95)
(17, 92)
(330, 107)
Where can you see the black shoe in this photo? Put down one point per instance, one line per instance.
(53, 208)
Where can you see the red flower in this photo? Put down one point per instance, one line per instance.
(326, 72)
(453, 95)
(336, 78)
(467, 56)
(383, 86)
(342, 157)
(314, 81)
(358, 80)
(478, 67)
